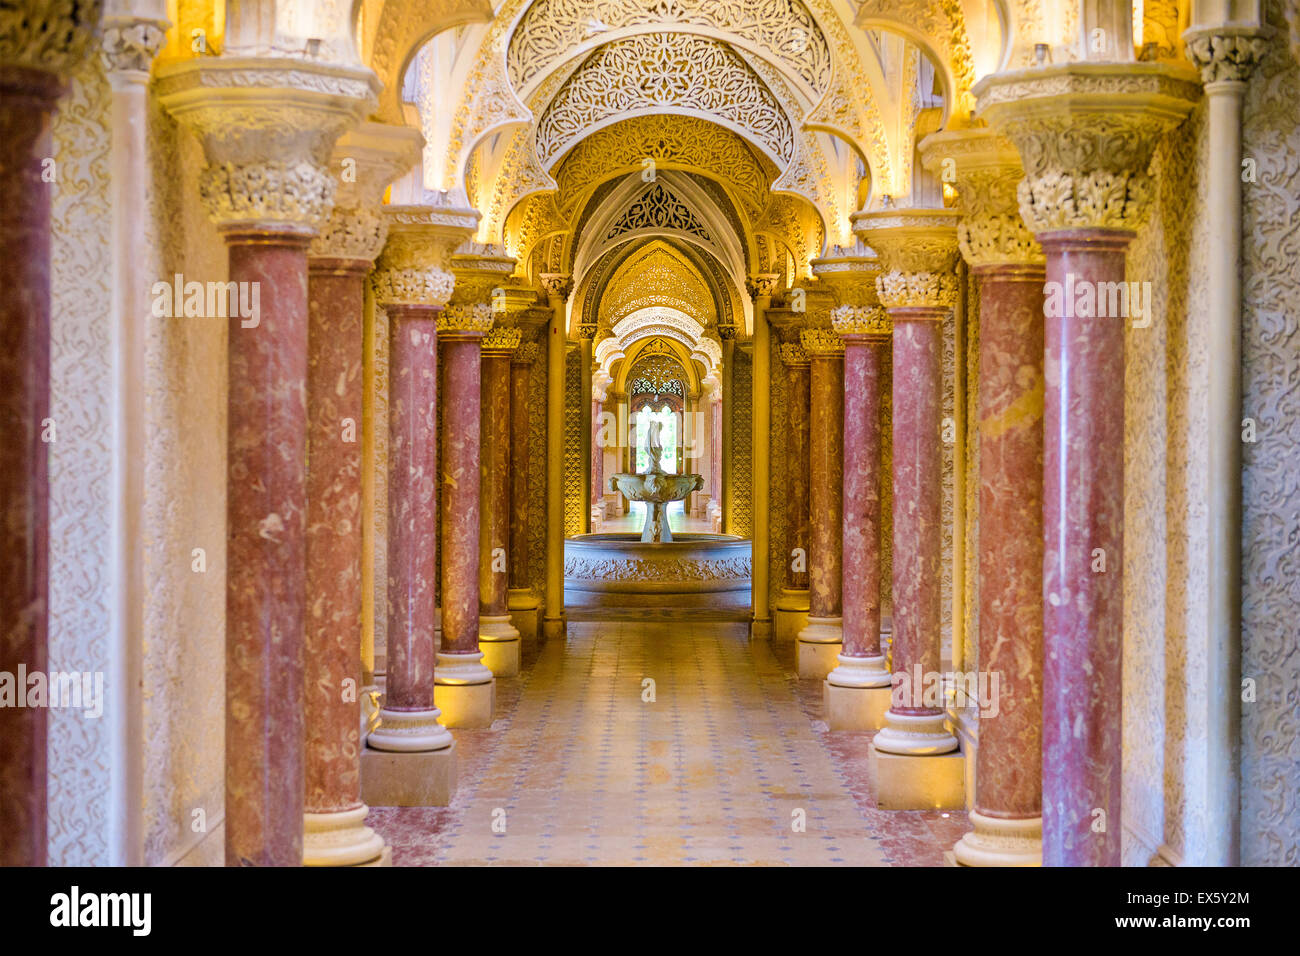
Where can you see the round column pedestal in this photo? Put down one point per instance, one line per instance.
(409, 731)
(498, 642)
(856, 694)
(915, 735)
(860, 672)
(999, 842)
(818, 646)
(525, 613)
(340, 838)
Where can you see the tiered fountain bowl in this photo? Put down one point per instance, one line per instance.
(657, 574)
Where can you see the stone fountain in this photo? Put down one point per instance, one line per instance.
(620, 576)
(656, 488)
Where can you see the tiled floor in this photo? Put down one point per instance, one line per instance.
(714, 763)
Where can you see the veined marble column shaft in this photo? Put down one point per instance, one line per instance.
(918, 249)
(521, 369)
(460, 330)
(1008, 264)
(558, 287)
(1085, 133)
(825, 494)
(336, 301)
(865, 332)
(409, 720)
(494, 528)
(42, 43)
(798, 456)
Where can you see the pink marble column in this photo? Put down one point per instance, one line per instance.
(861, 660)
(715, 448)
(500, 639)
(27, 98)
(597, 459)
(520, 382)
(798, 456)
(826, 454)
(1083, 522)
(409, 720)
(1008, 765)
(336, 302)
(918, 531)
(460, 331)
(266, 552)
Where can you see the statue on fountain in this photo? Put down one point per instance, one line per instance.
(656, 488)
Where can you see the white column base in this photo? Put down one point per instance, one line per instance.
(860, 672)
(340, 838)
(915, 735)
(409, 731)
(553, 628)
(790, 614)
(999, 842)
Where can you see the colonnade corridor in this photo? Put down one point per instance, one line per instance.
(720, 767)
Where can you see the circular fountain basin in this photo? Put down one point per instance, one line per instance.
(699, 576)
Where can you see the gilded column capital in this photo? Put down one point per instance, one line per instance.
(726, 333)
(852, 279)
(482, 271)
(412, 268)
(855, 321)
(502, 340)
(794, 355)
(820, 343)
(366, 159)
(268, 126)
(1225, 54)
(51, 36)
(463, 319)
(985, 168)
(918, 251)
(759, 286)
(1085, 132)
(557, 285)
(526, 354)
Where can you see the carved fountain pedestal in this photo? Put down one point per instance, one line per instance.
(620, 575)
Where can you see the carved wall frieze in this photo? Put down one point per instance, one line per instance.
(657, 569)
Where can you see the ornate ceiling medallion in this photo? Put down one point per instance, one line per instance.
(659, 71)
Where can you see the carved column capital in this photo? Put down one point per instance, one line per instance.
(356, 233)
(819, 343)
(985, 168)
(759, 286)
(558, 285)
(268, 126)
(1085, 132)
(853, 321)
(1225, 54)
(526, 354)
(482, 271)
(918, 250)
(128, 44)
(412, 269)
(852, 279)
(462, 319)
(502, 340)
